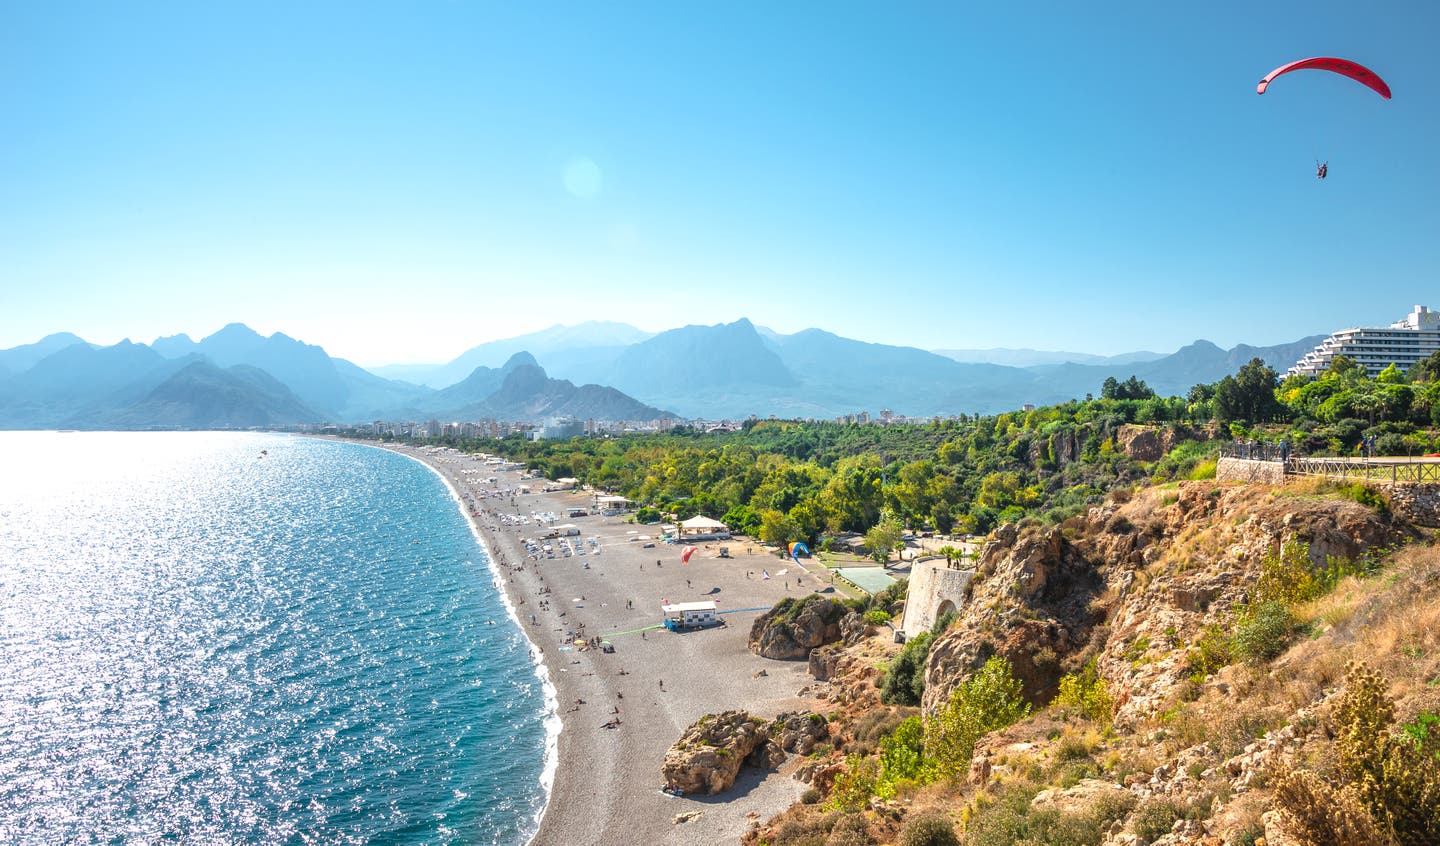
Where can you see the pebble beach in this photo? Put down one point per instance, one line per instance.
(620, 711)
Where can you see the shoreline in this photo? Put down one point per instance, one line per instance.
(604, 776)
(551, 720)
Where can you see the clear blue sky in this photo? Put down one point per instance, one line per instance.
(399, 181)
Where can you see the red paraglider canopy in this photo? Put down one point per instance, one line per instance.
(1344, 67)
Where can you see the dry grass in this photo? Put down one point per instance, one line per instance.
(1338, 607)
(1297, 486)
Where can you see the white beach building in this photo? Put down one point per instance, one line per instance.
(701, 527)
(687, 615)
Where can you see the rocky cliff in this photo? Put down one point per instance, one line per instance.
(795, 626)
(1131, 584)
(1183, 746)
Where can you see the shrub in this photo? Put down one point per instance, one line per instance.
(1203, 470)
(876, 617)
(797, 832)
(1366, 496)
(811, 796)
(905, 678)
(1264, 632)
(944, 621)
(1290, 577)
(1003, 823)
(848, 838)
(890, 595)
(1073, 746)
(1424, 732)
(1321, 814)
(1010, 821)
(1154, 819)
(874, 725)
(1211, 652)
(1398, 780)
(849, 830)
(987, 701)
(1087, 692)
(902, 756)
(928, 830)
(854, 785)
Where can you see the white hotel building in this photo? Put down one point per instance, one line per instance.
(1404, 343)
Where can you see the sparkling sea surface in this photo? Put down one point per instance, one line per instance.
(201, 643)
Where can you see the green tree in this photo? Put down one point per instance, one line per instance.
(777, 527)
(884, 538)
(1391, 376)
(987, 701)
(902, 755)
(1427, 370)
(742, 519)
(1345, 368)
(905, 677)
(1249, 395)
(942, 518)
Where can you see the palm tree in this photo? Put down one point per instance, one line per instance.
(951, 553)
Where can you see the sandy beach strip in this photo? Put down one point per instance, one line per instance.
(655, 683)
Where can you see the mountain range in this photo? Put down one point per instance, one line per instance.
(732, 370)
(239, 378)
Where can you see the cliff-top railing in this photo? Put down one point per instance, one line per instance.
(1255, 451)
(1392, 471)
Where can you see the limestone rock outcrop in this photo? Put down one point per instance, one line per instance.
(799, 731)
(825, 660)
(795, 626)
(708, 756)
(1133, 581)
(854, 629)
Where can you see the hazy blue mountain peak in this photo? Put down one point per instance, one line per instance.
(520, 359)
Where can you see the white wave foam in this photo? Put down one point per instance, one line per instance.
(553, 722)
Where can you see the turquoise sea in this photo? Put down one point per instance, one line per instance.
(244, 638)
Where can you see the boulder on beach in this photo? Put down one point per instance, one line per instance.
(795, 626)
(708, 756)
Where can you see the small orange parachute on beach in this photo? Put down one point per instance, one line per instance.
(1344, 67)
(685, 556)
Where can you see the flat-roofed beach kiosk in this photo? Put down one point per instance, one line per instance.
(690, 615)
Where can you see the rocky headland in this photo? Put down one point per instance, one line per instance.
(1191, 656)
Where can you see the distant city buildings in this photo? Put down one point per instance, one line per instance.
(569, 427)
(558, 427)
(1404, 343)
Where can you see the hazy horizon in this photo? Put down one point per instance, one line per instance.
(1168, 350)
(401, 183)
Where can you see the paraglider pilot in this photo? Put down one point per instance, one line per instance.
(1322, 169)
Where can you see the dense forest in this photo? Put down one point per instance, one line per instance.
(786, 480)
